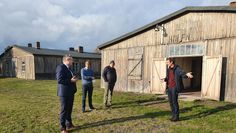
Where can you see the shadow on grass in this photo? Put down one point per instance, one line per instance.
(188, 109)
(145, 102)
(210, 112)
(121, 120)
(132, 118)
(156, 114)
(139, 101)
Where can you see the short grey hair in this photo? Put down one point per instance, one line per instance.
(66, 57)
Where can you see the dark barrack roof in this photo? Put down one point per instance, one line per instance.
(55, 52)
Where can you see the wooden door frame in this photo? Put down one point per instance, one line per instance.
(209, 57)
(154, 59)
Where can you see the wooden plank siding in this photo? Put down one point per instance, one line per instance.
(227, 48)
(121, 66)
(45, 66)
(107, 56)
(22, 56)
(188, 28)
(216, 30)
(17, 62)
(16, 56)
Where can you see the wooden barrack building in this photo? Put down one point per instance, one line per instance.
(203, 41)
(29, 62)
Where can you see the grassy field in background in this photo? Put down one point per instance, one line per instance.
(33, 107)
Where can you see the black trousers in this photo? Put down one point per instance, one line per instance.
(173, 100)
(66, 111)
(87, 89)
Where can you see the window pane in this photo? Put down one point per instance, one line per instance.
(176, 50)
(194, 49)
(23, 67)
(200, 49)
(188, 49)
(172, 51)
(182, 50)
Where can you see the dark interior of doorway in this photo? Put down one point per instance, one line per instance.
(194, 65)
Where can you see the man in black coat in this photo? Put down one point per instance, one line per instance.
(174, 85)
(110, 77)
(66, 90)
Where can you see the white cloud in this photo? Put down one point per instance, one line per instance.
(1, 4)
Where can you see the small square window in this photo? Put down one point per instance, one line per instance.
(23, 66)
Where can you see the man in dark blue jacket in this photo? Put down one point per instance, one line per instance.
(174, 85)
(66, 90)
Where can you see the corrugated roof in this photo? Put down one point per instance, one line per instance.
(168, 18)
(56, 52)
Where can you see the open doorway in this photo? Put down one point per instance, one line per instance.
(191, 64)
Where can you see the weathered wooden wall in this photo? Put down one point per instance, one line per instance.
(37, 66)
(12, 64)
(227, 48)
(95, 65)
(121, 58)
(45, 66)
(191, 27)
(217, 30)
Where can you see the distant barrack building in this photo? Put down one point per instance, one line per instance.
(203, 41)
(29, 62)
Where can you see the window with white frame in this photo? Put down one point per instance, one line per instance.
(186, 50)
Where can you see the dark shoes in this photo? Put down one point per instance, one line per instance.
(92, 108)
(107, 105)
(171, 119)
(174, 119)
(70, 126)
(83, 111)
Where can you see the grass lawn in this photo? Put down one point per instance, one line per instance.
(33, 107)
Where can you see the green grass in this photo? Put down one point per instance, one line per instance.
(33, 107)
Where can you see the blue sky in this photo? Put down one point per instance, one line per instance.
(61, 24)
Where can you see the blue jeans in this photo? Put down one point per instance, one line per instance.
(173, 100)
(66, 110)
(87, 88)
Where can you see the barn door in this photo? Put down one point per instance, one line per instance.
(158, 72)
(211, 77)
(135, 69)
